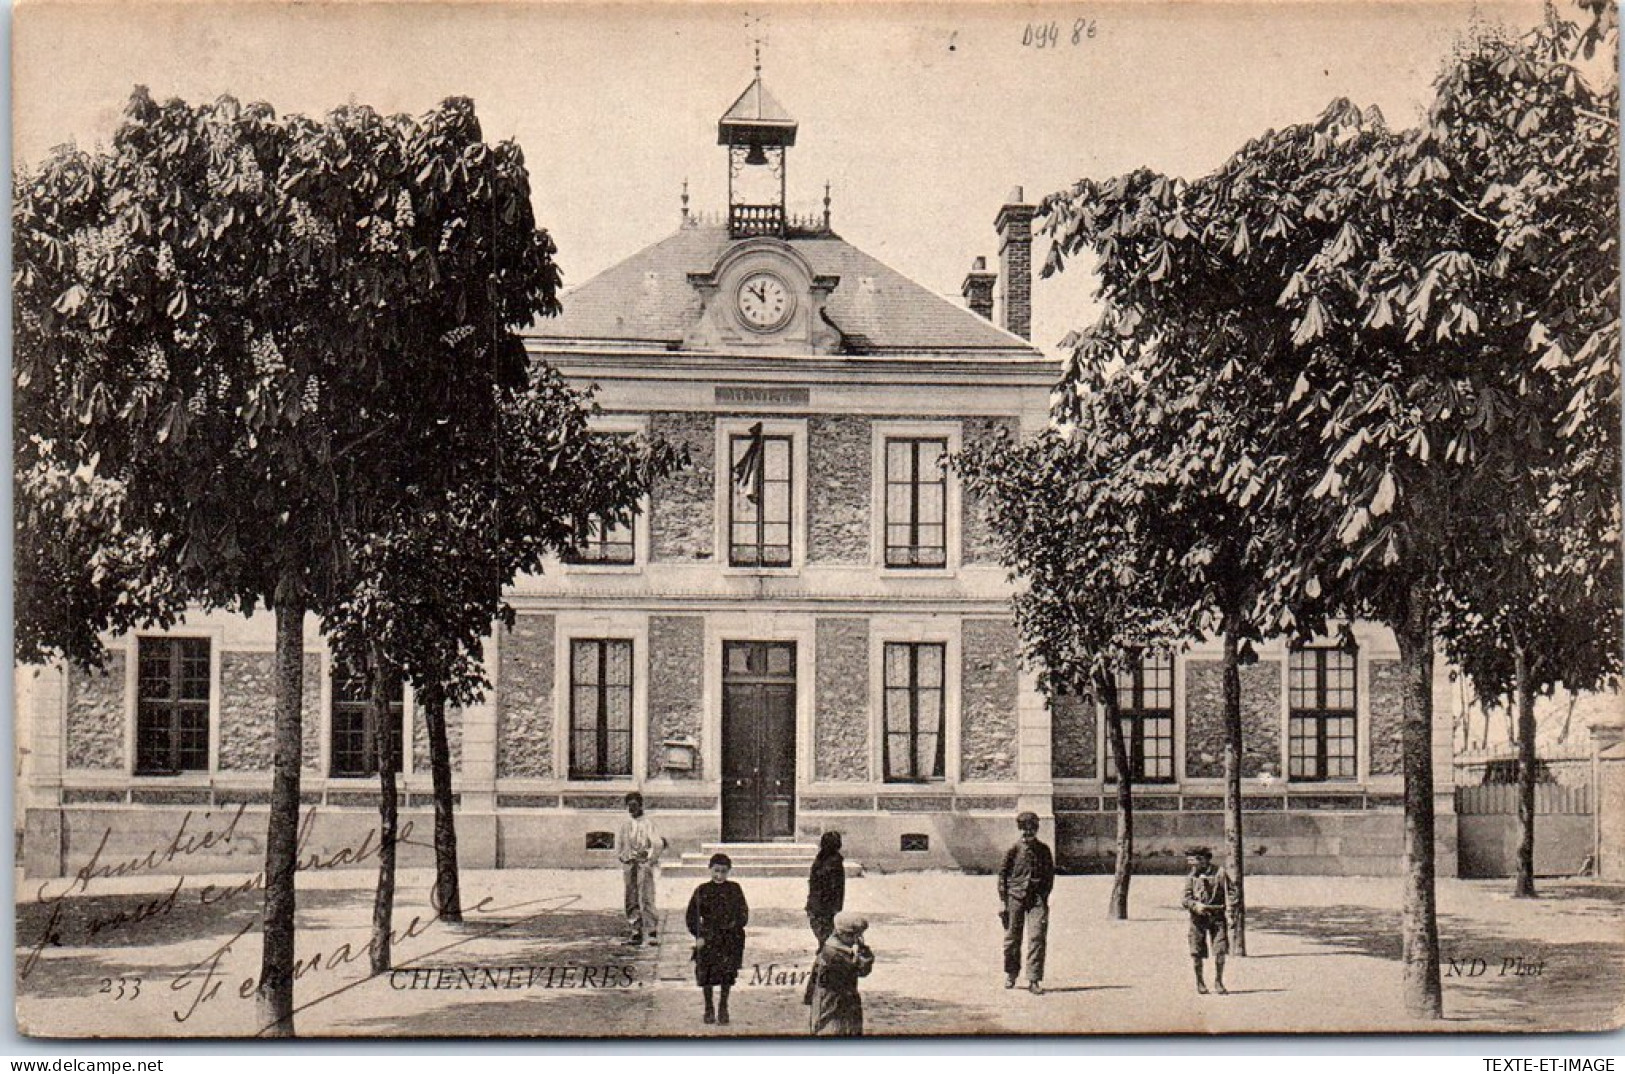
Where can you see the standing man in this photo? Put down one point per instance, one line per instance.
(639, 846)
(1208, 896)
(1025, 881)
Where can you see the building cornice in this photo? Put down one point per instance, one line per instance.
(937, 369)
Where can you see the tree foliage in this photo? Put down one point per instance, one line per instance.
(266, 334)
(1373, 348)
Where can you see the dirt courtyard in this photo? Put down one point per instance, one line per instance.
(541, 954)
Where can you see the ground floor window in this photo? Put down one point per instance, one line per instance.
(1322, 740)
(600, 708)
(172, 706)
(354, 745)
(1145, 700)
(914, 740)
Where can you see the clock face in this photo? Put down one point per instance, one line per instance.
(765, 302)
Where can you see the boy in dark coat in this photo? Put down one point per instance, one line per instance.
(1208, 895)
(717, 916)
(837, 1009)
(826, 887)
(1025, 881)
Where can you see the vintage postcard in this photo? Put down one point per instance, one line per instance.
(695, 520)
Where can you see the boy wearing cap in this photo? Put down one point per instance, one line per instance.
(837, 1009)
(1208, 895)
(1025, 881)
(638, 847)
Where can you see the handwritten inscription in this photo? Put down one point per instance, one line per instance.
(1054, 33)
(188, 840)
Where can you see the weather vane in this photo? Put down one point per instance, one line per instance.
(758, 37)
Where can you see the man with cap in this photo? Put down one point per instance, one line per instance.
(638, 846)
(1025, 881)
(837, 1009)
(1208, 897)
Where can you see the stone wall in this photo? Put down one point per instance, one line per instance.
(1073, 723)
(1387, 709)
(525, 698)
(839, 480)
(841, 724)
(1204, 718)
(682, 507)
(248, 712)
(676, 673)
(311, 722)
(976, 537)
(988, 689)
(95, 724)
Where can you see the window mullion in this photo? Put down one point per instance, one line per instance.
(914, 712)
(914, 499)
(601, 730)
(175, 665)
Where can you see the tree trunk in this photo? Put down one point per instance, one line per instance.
(385, 735)
(1123, 872)
(1233, 855)
(1568, 718)
(448, 899)
(1420, 927)
(274, 996)
(1525, 887)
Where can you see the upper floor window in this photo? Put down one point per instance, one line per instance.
(355, 729)
(1145, 704)
(916, 502)
(172, 705)
(605, 543)
(1321, 698)
(913, 743)
(760, 515)
(600, 708)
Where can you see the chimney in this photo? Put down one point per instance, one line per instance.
(1015, 227)
(978, 288)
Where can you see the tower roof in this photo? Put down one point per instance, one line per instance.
(756, 116)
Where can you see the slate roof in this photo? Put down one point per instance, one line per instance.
(648, 300)
(756, 107)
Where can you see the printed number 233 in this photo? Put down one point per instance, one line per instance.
(118, 988)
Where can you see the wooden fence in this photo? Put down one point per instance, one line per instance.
(1501, 799)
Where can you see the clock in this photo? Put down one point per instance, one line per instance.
(764, 301)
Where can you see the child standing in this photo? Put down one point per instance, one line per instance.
(826, 887)
(837, 1009)
(1208, 895)
(717, 915)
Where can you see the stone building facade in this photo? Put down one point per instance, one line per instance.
(805, 629)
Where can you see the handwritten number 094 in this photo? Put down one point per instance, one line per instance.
(120, 987)
(1048, 34)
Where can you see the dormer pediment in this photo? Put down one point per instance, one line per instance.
(762, 295)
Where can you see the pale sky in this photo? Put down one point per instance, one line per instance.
(923, 117)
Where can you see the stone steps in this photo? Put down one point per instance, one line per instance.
(750, 861)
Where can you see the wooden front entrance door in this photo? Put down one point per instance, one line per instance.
(758, 740)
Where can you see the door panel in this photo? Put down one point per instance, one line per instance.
(758, 741)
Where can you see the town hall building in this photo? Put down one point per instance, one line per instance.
(805, 629)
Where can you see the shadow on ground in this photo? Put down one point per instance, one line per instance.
(1489, 973)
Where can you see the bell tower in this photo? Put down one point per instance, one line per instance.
(757, 131)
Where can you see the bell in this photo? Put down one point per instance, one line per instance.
(756, 156)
